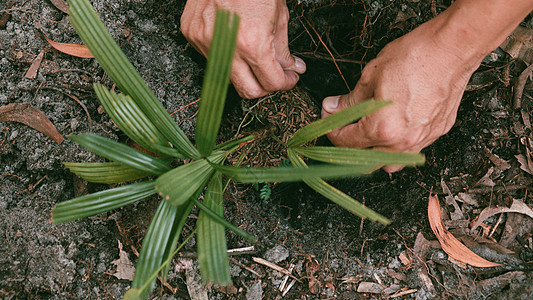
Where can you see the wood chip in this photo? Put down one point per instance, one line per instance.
(449, 243)
(35, 65)
(31, 116)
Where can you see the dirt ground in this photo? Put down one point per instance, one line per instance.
(484, 162)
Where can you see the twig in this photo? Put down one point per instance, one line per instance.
(275, 267)
(234, 261)
(402, 293)
(331, 54)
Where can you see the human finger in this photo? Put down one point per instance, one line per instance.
(244, 80)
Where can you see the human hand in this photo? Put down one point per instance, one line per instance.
(262, 61)
(424, 76)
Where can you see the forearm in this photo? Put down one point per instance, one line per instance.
(473, 28)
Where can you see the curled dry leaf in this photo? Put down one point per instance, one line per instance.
(449, 243)
(517, 207)
(71, 49)
(31, 116)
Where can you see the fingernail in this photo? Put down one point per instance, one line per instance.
(330, 104)
(299, 65)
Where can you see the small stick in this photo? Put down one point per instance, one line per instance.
(403, 293)
(234, 261)
(275, 267)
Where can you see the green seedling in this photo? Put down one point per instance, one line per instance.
(139, 114)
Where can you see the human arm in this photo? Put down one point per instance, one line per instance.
(262, 62)
(425, 73)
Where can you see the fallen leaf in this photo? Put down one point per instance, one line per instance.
(61, 5)
(125, 269)
(71, 49)
(31, 116)
(525, 163)
(35, 65)
(449, 243)
(520, 44)
(520, 85)
(500, 163)
(517, 207)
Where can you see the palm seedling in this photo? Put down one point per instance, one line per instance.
(138, 113)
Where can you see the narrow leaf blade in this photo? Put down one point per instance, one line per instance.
(154, 246)
(287, 174)
(212, 247)
(340, 198)
(367, 157)
(330, 123)
(107, 172)
(93, 204)
(121, 153)
(216, 80)
(131, 120)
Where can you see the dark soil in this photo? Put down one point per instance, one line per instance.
(332, 252)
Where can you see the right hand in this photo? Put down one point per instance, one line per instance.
(262, 63)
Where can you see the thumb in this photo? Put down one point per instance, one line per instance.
(333, 104)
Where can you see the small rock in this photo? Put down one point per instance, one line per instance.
(255, 292)
(277, 254)
(369, 287)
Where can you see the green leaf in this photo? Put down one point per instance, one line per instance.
(367, 157)
(138, 292)
(332, 122)
(93, 204)
(175, 234)
(106, 51)
(224, 222)
(337, 196)
(285, 174)
(155, 245)
(234, 142)
(132, 294)
(216, 80)
(212, 247)
(131, 120)
(107, 172)
(179, 184)
(121, 153)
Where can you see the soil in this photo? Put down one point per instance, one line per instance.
(332, 253)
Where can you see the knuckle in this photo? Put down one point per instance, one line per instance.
(388, 133)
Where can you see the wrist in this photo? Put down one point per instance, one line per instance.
(471, 29)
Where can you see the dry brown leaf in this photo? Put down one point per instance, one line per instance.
(449, 243)
(61, 5)
(125, 269)
(31, 116)
(35, 65)
(71, 49)
(525, 163)
(517, 207)
(520, 44)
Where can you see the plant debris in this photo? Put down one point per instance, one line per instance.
(449, 243)
(71, 49)
(31, 116)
